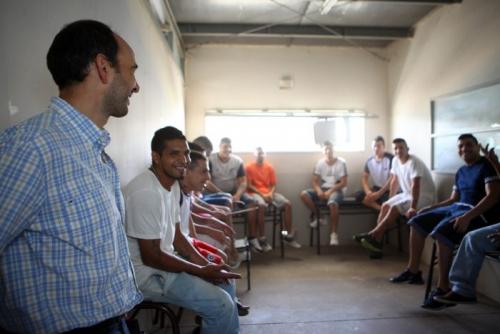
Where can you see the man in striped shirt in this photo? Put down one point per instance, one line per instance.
(64, 260)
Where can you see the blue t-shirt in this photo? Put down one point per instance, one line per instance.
(470, 183)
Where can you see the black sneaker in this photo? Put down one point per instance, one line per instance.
(432, 304)
(359, 237)
(455, 298)
(371, 244)
(408, 276)
(243, 310)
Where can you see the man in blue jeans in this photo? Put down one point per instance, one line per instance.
(470, 256)
(168, 268)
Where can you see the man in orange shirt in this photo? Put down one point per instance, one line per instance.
(261, 180)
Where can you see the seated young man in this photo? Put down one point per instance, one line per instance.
(378, 168)
(152, 211)
(414, 179)
(471, 253)
(470, 206)
(215, 248)
(261, 180)
(329, 182)
(228, 175)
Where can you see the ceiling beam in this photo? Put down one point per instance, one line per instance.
(415, 2)
(205, 29)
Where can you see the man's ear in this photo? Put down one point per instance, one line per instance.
(103, 68)
(155, 157)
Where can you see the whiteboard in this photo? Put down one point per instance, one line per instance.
(476, 111)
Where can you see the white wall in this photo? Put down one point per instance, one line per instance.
(27, 30)
(248, 76)
(455, 48)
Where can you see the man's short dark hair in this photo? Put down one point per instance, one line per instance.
(225, 140)
(75, 47)
(468, 136)
(399, 141)
(195, 156)
(327, 143)
(379, 139)
(163, 135)
(195, 147)
(204, 142)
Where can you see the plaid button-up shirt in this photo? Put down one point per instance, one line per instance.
(64, 259)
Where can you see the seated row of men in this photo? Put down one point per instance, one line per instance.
(472, 205)
(402, 186)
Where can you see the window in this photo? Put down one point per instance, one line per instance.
(285, 130)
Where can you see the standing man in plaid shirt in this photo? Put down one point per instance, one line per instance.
(64, 260)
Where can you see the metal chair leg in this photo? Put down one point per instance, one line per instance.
(431, 272)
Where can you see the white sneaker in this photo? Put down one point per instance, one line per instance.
(314, 223)
(254, 243)
(291, 242)
(334, 239)
(265, 246)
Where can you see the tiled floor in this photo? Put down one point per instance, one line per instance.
(342, 291)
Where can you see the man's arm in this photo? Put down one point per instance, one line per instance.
(394, 185)
(338, 186)
(316, 184)
(452, 199)
(22, 190)
(186, 249)
(487, 202)
(213, 233)
(242, 186)
(153, 256)
(365, 184)
(214, 223)
(415, 194)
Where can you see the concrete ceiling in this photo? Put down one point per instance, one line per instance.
(368, 23)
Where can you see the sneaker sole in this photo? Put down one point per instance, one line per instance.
(441, 307)
(453, 303)
(369, 246)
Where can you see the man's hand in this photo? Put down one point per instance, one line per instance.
(424, 209)
(410, 213)
(372, 196)
(236, 198)
(489, 154)
(220, 236)
(268, 198)
(461, 223)
(228, 230)
(217, 273)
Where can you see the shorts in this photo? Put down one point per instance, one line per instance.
(402, 202)
(278, 199)
(335, 198)
(438, 223)
(360, 195)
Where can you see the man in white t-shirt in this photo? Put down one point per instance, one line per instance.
(167, 267)
(378, 168)
(329, 183)
(413, 178)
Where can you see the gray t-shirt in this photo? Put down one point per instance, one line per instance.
(225, 174)
(379, 170)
